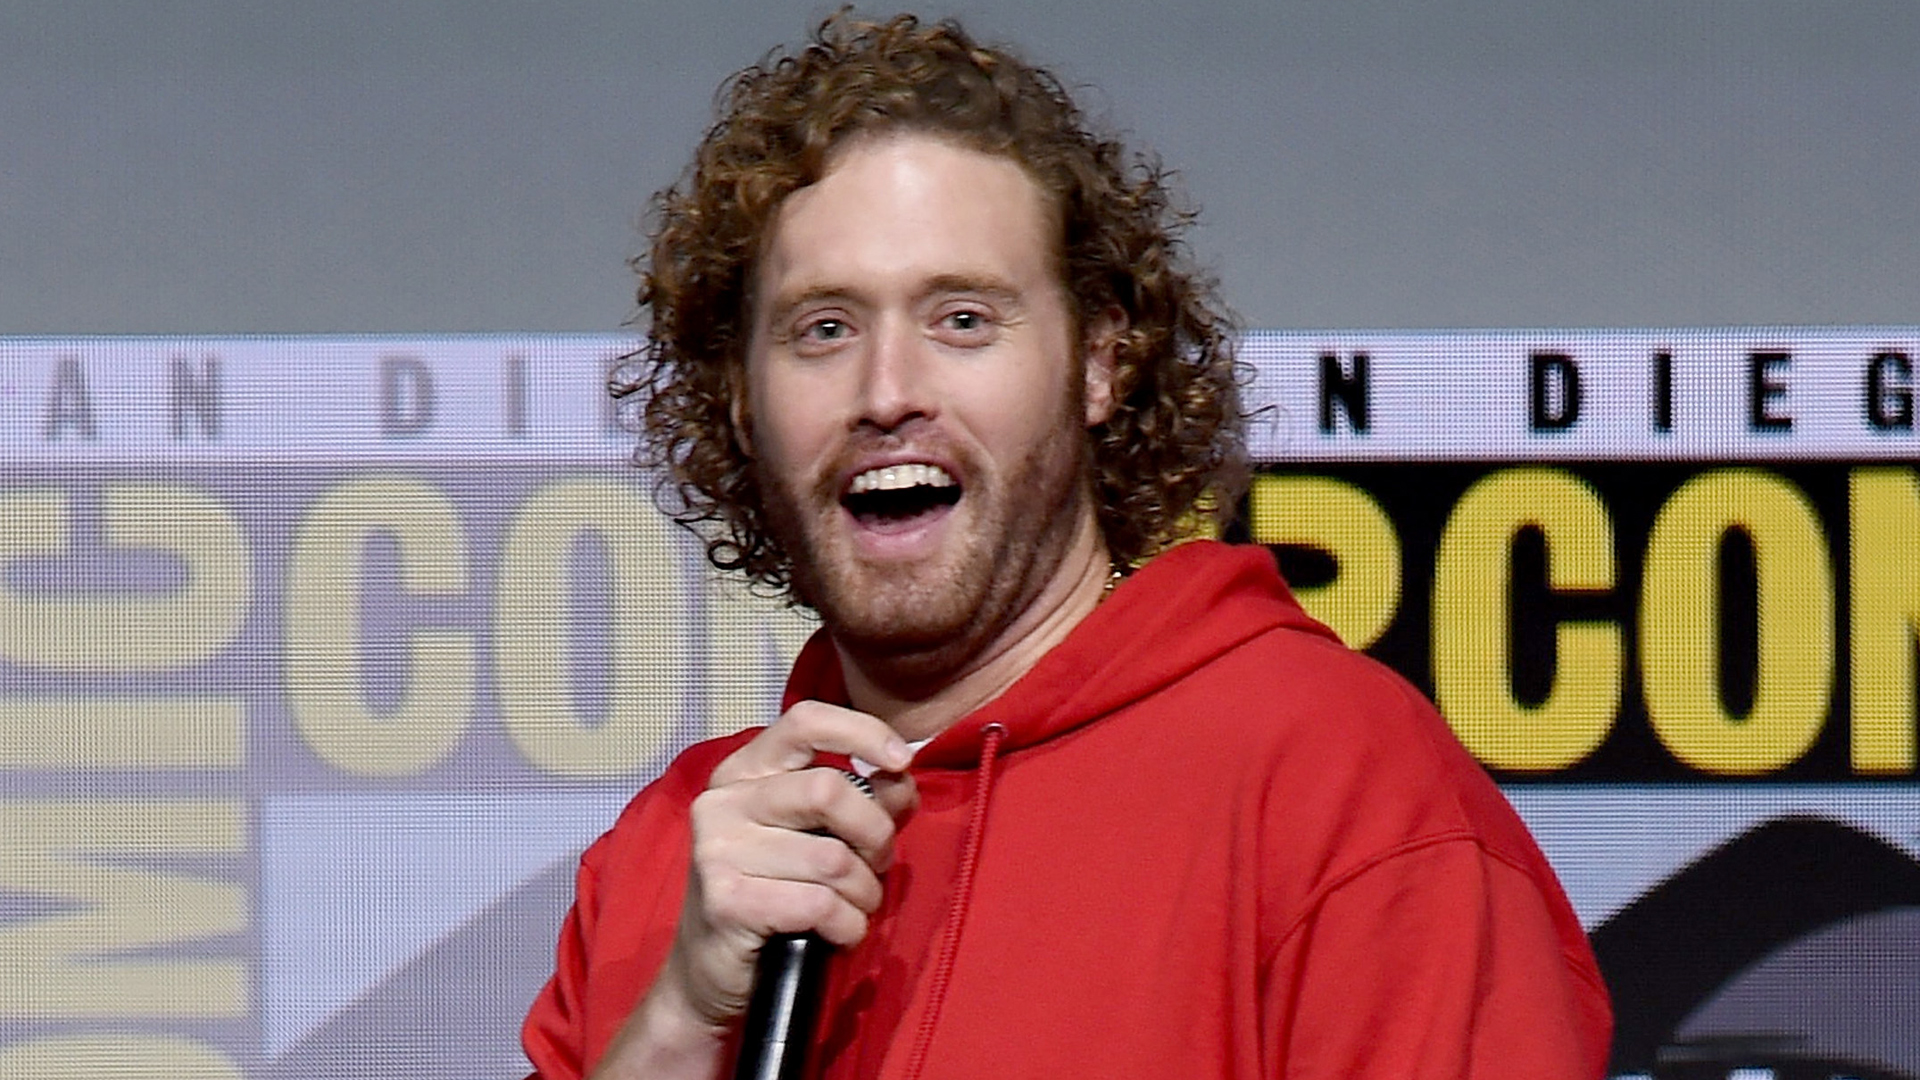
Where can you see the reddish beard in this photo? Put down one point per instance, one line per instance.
(928, 617)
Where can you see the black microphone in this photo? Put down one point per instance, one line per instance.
(784, 1006)
(781, 1014)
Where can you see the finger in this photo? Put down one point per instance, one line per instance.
(812, 800)
(728, 842)
(896, 793)
(810, 728)
(770, 906)
(817, 860)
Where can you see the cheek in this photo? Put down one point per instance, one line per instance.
(789, 420)
(1032, 413)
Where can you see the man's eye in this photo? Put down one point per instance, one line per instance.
(966, 320)
(826, 330)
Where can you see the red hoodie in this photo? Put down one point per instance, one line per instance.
(1199, 838)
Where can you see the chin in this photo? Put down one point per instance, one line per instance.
(910, 611)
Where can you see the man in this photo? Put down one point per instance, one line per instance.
(925, 352)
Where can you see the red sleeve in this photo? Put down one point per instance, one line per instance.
(1436, 960)
(626, 905)
(551, 1035)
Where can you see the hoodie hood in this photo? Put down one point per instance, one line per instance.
(1181, 610)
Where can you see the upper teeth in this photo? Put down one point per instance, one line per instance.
(895, 477)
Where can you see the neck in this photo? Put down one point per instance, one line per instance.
(921, 708)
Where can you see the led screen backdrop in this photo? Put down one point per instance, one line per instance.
(321, 659)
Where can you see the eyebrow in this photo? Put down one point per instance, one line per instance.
(782, 306)
(978, 284)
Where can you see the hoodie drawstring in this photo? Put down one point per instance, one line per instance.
(991, 738)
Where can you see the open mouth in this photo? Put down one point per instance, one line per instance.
(897, 496)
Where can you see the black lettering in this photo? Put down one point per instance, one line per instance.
(516, 390)
(1890, 392)
(1762, 389)
(406, 396)
(1555, 396)
(1663, 391)
(198, 396)
(69, 405)
(1348, 389)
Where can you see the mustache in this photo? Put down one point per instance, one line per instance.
(864, 443)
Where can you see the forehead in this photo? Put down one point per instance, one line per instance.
(899, 207)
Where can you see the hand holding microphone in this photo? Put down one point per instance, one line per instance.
(789, 981)
(781, 847)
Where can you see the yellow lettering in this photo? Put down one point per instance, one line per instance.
(126, 632)
(751, 645)
(1472, 605)
(88, 962)
(116, 1056)
(1680, 614)
(122, 733)
(1343, 521)
(323, 670)
(1884, 571)
(649, 630)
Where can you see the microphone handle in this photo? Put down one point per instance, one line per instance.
(787, 988)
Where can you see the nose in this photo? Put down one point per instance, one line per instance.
(894, 382)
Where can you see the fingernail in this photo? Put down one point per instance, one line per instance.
(899, 755)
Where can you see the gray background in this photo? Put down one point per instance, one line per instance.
(399, 165)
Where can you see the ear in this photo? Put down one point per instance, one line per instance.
(737, 407)
(1102, 343)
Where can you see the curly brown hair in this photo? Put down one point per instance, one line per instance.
(1174, 446)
